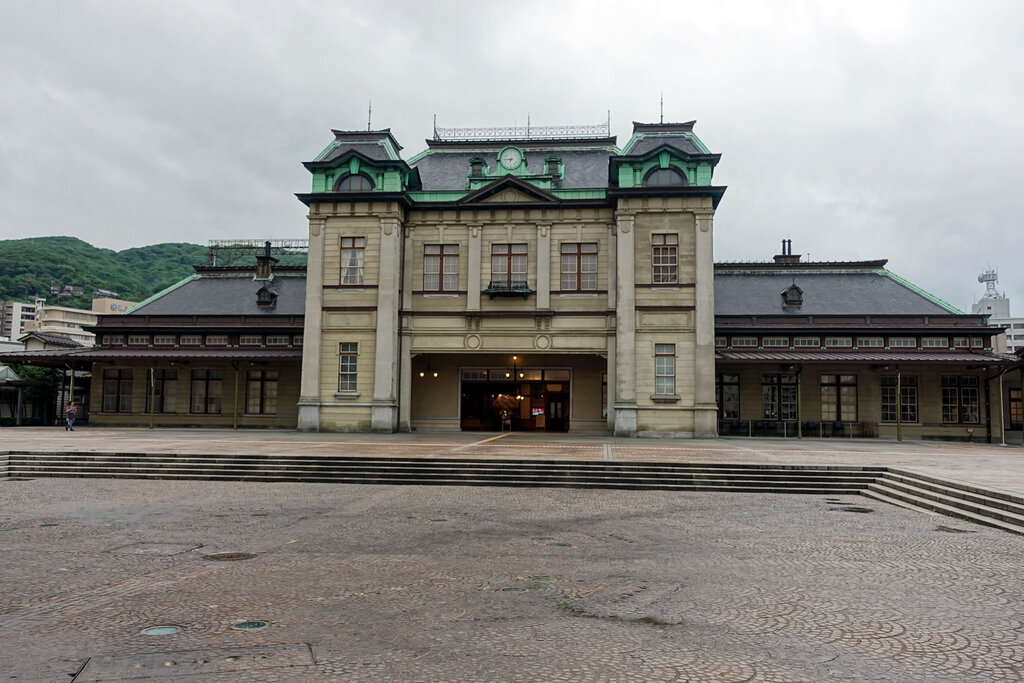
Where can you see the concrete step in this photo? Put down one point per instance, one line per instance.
(931, 499)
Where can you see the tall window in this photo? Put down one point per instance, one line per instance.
(1016, 409)
(665, 369)
(839, 398)
(440, 267)
(778, 397)
(508, 265)
(117, 391)
(355, 182)
(352, 249)
(261, 392)
(162, 391)
(906, 403)
(664, 177)
(579, 267)
(960, 399)
(728, 387)
(207, 386)
(664, 256)
(348, 354)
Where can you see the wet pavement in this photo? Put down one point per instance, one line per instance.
(446, 583)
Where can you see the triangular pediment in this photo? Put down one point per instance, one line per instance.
(508, 190)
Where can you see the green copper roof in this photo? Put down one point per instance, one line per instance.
(917, 290)
(168, 290)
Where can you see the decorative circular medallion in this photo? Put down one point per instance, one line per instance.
(542, 341)
(472, 341)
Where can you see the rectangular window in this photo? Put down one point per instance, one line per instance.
(960, 400)
(163, 339)
(1016, 409)
(721, 341)
(935, 342)
(728, 396)
(162, 391)
(277, 340)
(297, 340)
(191, 340)
(775, 342)
(976, 343)
(138, 339)
(117, 391)
(744, 341)
(961, 342)
(352, 254)
(579, 267)
(216, 340)
(902, 342)
(261, 392)
(665, 369)
(508, 265)
(839, 398)
(440, 267)
(806, 342)
(907, 401)
(113, 339)
(778, 397)
(664, 259)
(207, 386)
(870, 342)
(250, 340)
(348, 354)
(838, 342)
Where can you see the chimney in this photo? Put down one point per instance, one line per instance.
(787, 255)
(265, 264)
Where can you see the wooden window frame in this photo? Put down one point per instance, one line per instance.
(578, 266)
(348, 366)
(665, 259)
(261, 392)
(212, 401)
(514, 261)
(122, 383)
(161, 384)
(441, 261)
(353, 260)
(664, 369)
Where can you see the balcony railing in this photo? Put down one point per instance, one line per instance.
(508, 288)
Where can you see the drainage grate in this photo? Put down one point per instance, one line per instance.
(229, 557)
(248, 625)
(160, 630)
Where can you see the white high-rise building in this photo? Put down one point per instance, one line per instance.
(996, 306)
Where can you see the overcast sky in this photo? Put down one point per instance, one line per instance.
(858, 130)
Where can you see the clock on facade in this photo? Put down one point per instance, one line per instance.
(511, 157)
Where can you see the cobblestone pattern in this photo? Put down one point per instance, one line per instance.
(370, 583)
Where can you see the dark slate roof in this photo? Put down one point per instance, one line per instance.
(52, 339)
(371, 149)
(650, 142)
(449, 169)
(836, 292)
(227, 293)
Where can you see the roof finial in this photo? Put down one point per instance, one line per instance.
(662, 119)
(369, 114)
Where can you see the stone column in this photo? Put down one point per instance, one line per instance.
(384, 407)
(625, 326)
(309, 387)
(405, 386)
(705, 409)
(473, 283)
(543, 266)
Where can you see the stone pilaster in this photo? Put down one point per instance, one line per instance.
(625, 326)
(705, 416)
(543, 266)
(384, 407)
(473, 282)
(309, 387)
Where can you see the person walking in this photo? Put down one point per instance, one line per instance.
(70, 414)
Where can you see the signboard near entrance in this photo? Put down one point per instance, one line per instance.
(537, 411)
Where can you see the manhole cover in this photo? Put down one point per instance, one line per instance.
(229, 557)
(248, 625)
(160, 630)
(857, 508)
(953, 530)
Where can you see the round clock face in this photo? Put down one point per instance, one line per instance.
(511, 157)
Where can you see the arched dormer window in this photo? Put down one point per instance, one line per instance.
(792, 297)
(664, 177)
(353, 182)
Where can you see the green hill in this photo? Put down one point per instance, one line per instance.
(30, 266)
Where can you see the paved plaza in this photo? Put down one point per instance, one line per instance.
(436, 583)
